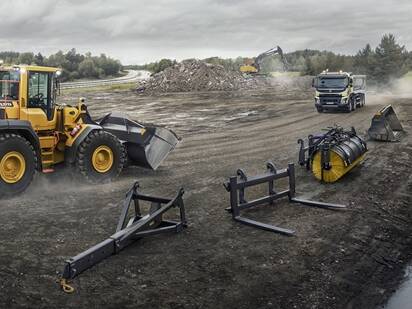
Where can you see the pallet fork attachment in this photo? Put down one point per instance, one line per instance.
(237, 184)
(128, 231)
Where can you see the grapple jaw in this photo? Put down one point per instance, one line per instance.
(385, 126)
(147, 146)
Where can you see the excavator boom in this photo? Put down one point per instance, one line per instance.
(255, 68)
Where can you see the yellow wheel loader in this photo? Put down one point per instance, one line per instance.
(36, 133)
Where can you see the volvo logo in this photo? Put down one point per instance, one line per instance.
(6, 104)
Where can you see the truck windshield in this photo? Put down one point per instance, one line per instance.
(9, 85)
(332, 82)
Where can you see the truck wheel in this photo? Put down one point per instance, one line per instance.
(348, 107)
(100, 157)
(18, 163)
(319, 109)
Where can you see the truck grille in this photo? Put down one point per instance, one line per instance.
(330, 99)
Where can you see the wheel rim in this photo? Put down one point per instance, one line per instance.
(12, 167)
(102, 159)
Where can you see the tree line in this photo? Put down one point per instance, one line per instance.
(74, 65)
(389, 60)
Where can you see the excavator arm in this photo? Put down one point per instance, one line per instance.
(274, 51)
(256, 66)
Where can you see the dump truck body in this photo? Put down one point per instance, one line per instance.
(339, 91)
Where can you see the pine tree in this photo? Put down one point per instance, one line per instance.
(39, 59)
(390, 60)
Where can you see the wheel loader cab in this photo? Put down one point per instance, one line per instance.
(38, 97)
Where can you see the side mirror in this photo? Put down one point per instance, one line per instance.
(350, 82)
(57, 86)
(314, 82)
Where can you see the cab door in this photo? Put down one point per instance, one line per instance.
(40, 109)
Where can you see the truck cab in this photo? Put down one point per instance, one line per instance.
(341, 91)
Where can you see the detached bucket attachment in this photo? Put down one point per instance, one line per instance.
(147, 146)
(385, 126)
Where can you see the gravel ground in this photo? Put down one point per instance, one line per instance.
(349, 259)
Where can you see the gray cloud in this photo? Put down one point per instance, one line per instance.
(141, 31)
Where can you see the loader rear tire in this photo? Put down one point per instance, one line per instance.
(18, 163)
(100, 157)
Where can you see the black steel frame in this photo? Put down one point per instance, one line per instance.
(126, 233)
(237, 185)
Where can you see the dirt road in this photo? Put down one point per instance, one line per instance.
(350, 259)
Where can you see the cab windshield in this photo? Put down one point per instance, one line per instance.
(332, 82)
(9, 85)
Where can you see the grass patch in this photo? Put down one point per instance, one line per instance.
(408, 76)
(115, 87)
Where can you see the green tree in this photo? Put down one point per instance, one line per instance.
(390, 60)
(26, 58)
(39, 59)
(87, 68)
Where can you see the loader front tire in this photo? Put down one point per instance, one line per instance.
(100, 157)
(18, 163)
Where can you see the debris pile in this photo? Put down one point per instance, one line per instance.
(197, 75)
(193, 75)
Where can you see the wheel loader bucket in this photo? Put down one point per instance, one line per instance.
(385, 126)
(147, 146)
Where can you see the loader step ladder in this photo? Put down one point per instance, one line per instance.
(47, 143)
(237, 184)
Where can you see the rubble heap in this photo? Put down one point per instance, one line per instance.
(193, 75)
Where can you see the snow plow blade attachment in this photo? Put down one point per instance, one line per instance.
(385, 126)
(147, 146)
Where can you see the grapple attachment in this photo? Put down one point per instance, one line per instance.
(385, 126)
(147, 146)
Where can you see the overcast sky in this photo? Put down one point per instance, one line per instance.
(139, 31)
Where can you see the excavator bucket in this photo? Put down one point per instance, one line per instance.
(147, 146)
(385, 126)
